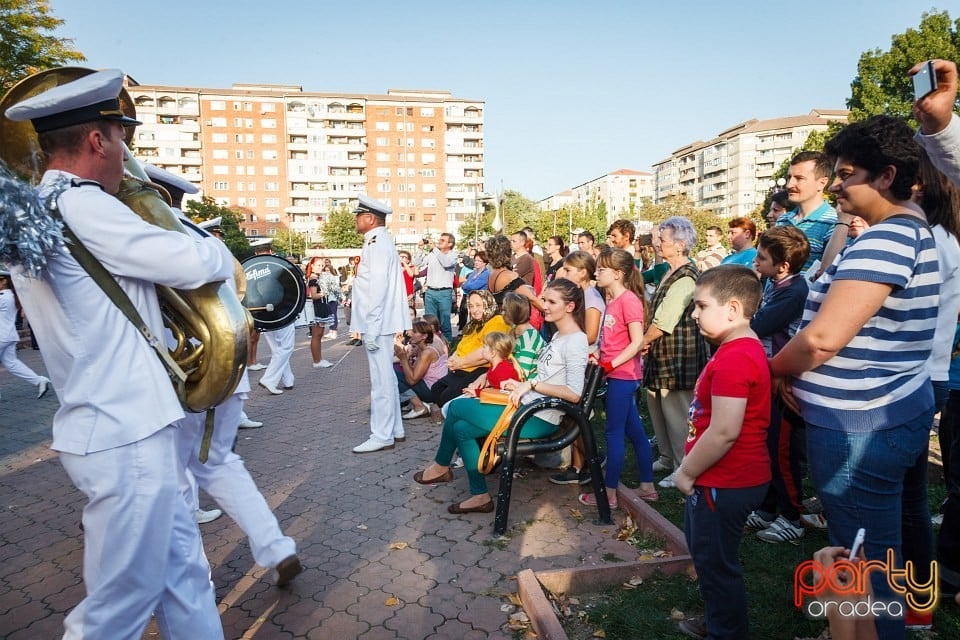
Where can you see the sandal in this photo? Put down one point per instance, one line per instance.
(446, 476)
(653, 496)
(590, 500)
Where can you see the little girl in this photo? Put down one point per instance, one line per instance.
(497, 349)
(621, 339)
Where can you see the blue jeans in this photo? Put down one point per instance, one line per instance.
(860, 480)
(420, 388)
(623, 419)
(439, 303)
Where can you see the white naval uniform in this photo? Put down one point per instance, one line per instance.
(9, 339)
(142, 551)
(281, 342)
(380, 309)
(226, 479)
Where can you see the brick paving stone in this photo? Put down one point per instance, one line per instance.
(344, 511)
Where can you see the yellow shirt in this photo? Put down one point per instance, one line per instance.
(471, 342)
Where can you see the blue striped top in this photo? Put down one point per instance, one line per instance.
(879, 380)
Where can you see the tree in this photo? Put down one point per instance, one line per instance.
(680, 205)
(233, 236)
(882, 85)
(25, 44)
(287, 242)
(340, 230)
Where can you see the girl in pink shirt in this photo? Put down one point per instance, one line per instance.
(621, 340)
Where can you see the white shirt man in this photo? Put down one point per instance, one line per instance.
(113, 431)
(379, 312)
(441, 264)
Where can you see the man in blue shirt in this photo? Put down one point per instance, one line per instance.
(807, 177)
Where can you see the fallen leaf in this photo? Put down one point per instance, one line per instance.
(628, 586)
(362, 527)
(599, 633)
(507, 608)
(391, 602)
(676, 614)
(397, 546)
(515, 599)
(520, 617)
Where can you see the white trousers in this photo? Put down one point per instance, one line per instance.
(226, 479)
(141, 551)
(10, 361)
(281, 343)
(385, 421)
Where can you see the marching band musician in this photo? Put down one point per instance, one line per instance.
(379, 312)
(223, 475)
(281, 342)
(113, 430)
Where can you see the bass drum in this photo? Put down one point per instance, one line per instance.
(276, 292)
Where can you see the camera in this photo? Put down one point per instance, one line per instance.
(406, 338)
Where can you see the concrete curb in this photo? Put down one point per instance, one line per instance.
(578, 580)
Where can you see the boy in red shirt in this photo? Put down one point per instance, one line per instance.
(726, 469)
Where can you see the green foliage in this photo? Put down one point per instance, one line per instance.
(289, 243)
(882, 85)
(233, 235)
(25, 44)
(340, 230)
(680, 205)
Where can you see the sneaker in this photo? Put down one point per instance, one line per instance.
(256, 367)
(782, 530)
(918, 621)
(694, 628)
(457, 463)
(814, 520)
(668, 483)
(757, 521)
(203, 517)
(323, 364)
(567, 476)
(330, 336)
(660, 465)
(937, 519)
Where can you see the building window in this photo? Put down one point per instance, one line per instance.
(382, 126)
(268, 123)
(219, 137)
(218, 122)
(271, 171)
(237, 122)
(236, 106)
(426, 111)
(268, 138)
(220, 154)
(383, 157)
(272, 202)
(217, 105)
(271, 186)
(428, 173)
(383, 142)
(428, 157)
(268, 107)
(220, 170)
(269, 154)
(252, 202)
(383, 172)
(429, 203)
(221, 186)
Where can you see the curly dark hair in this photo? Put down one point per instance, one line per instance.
(499, 252)
(876, 143)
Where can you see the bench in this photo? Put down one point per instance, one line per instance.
(575, 423)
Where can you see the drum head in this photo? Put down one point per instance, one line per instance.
(276, 292)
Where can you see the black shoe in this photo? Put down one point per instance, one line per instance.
(567, 476)
(694, 628)
(288, 569)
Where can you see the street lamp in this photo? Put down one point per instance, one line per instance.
(476, 213)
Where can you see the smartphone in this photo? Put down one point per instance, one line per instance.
(857, 543)
(924, 81)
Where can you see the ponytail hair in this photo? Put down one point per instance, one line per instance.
(622, 261)
(571, 292)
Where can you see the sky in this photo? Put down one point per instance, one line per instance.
(573, 90)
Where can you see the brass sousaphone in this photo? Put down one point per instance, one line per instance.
(209, 324)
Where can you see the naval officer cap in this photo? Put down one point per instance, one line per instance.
(369, 205)
(213, 224)
(262, 243)
(92, 97)
(166, 179)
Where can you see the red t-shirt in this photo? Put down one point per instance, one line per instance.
(737, 370)
(501, 373)
(407, 281)
(615, 335)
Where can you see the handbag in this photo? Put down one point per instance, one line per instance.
(488, 395)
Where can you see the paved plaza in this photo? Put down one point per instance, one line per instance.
(382, 557)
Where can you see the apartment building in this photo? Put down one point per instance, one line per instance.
(622, 191)
(286, 158)
(732, 173)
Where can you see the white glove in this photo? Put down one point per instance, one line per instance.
(370, 342)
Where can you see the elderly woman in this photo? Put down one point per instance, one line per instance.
(859, 370)
(675, 352)
(467, 362)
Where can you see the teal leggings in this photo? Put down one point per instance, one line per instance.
(469, 419)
